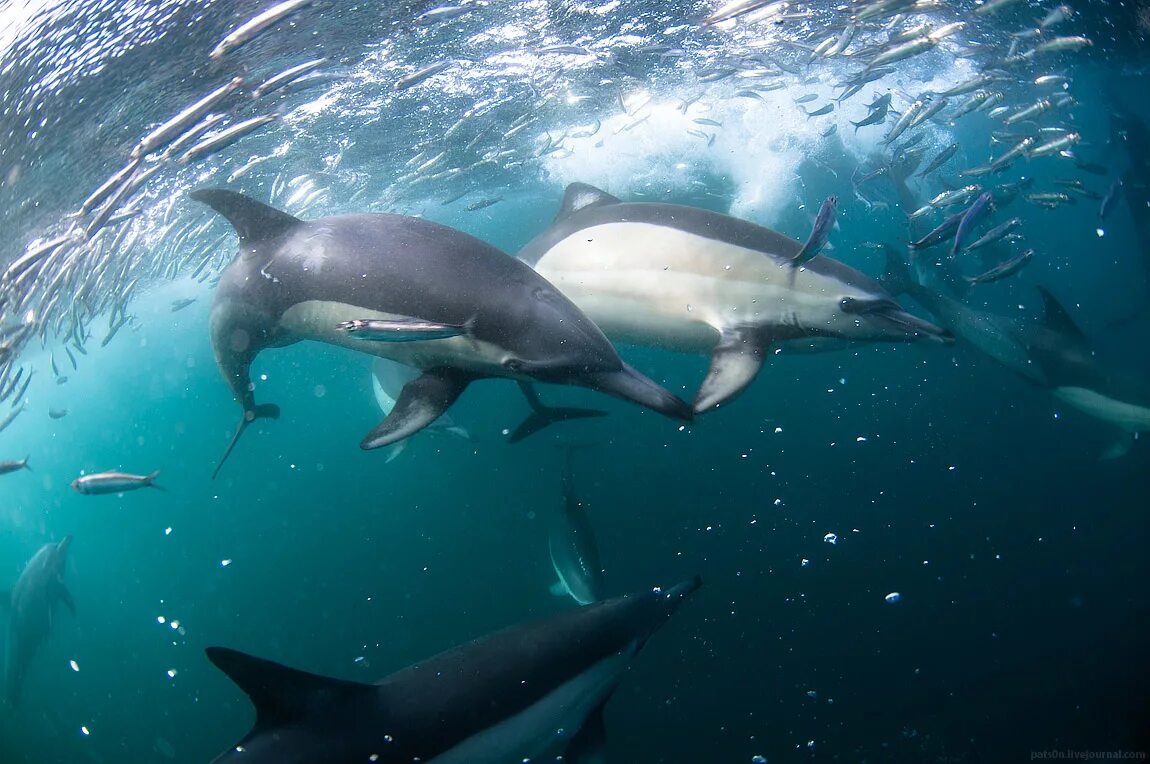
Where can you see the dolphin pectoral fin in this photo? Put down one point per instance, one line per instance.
(542, 415)
(420, 403)
(394, 450)
(589, 746)
(1120, 447)
(263, 411)
(630, 385)
(734, 363)
(64, 596)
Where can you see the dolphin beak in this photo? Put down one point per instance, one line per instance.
(895, 319)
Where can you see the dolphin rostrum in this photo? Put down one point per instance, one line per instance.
(533, 690)
(693, 280)
(295, 280)
(39, 589)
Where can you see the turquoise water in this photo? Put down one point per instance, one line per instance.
(979, 498)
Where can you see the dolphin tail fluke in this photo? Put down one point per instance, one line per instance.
(542, 415)
(589, 746)
(421, 402)
(262, 411)
(630, 385)
(25, 462)
(735, 362)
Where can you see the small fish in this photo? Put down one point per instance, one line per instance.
(14, 466)
(113, 482)
(957, 196)
(1040, 106)
(250, 29)
(178, 305)
(981, 206)
(939, 233)
(807, 98)
(177, 124)
(994, 234)
(272, 84)
(11, 417)
(820, 232)
(55, 413)
(733, 9)
(413, 79)
(399, 330)
(1002, 270)
(1058, 45)
(1055, 145)
(820, 112)
(992, 6)
(708, 122)
(442, 13)
(1049, 200)
(226, 137)
(1057, 15)
(943, 157)
(484, 203)
(876, 117)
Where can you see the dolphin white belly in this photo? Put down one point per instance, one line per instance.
(546, 724)
(652, 284)
(1126, 416)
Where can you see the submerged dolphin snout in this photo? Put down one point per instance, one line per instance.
(894, 323)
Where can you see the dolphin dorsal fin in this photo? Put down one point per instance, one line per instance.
(1058, 318)
(252, 220)
(279, 693)
(580, 196)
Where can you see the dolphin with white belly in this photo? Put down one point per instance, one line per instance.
(692, 280)
(455, 307)
(533, 692)
(1053, 353)
(30, 606)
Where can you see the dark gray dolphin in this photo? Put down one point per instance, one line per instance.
(295, 280)
(524, 693)
(697, 281)
(1053, 354)
(38, 591)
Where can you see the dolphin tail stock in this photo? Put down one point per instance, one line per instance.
(420, 403)
(542, 415)
(629, 384)
(735, 362)
(261, 411)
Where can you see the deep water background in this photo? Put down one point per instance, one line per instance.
(1020, 557)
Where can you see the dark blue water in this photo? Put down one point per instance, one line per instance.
(1019, 555)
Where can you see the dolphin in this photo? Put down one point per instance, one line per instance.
(39, 589)
(1053, 354)
(387, 381)
(457, 309)
(697, 281)
(533, 690)
(572, 546)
